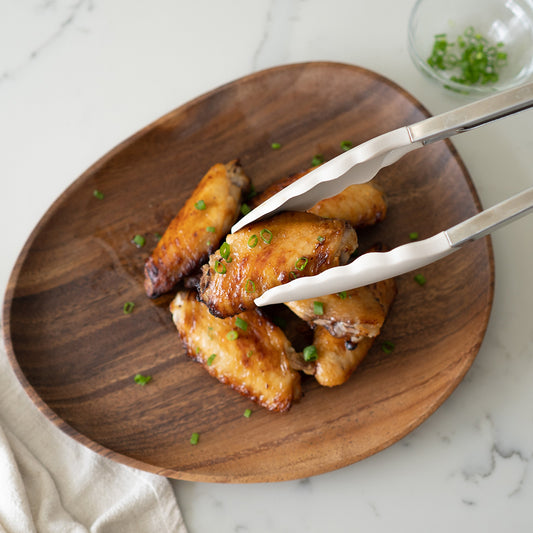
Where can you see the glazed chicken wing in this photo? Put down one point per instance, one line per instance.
(361, 205)
(352, 314)
(247, 352)
(269, 253)
(197, 229)
(336, 358)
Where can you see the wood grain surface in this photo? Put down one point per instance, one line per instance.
(76, 352)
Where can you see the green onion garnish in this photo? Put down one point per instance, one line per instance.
(387, 346)
(413, 235)
(310, 353)
(139, 241)
(250, 353)
(301, 263)
(275, 146)
(200, 205)
(142, 380)
(293, 274)
(232, 335)
(252, 241)
(225, 250)
(471, 58)
(157, 236)
(266, 235)
(318, 308)
(128, 308)
(211, 358)
(342, 295)
(98, 194)
(249, 286)
(240, 323)
(252, 192)
(220, 268)
(320, 238)
(317, 160)
(420, 279)
(346, 145)
(210, 229)
(247, 413)
(245, 209)
(195, 437)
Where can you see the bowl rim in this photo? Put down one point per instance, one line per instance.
(435, 75)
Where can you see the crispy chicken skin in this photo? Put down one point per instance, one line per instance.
(256, 363)
(361, 205)
(351, 315)
(187, 243)
(269, 253)
(336, 358)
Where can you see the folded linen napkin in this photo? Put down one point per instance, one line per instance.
(51, 483)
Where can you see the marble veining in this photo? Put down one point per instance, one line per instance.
(57, 16)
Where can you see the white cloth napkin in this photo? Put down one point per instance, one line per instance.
(51, 483)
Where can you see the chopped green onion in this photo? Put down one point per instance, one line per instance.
(293, 274)
(197, 349)
(476, 60)
(195, 437)
(266, 235)
(310, 353)
(387, 346)
(317, 160)
(232, 335)
(211, 358)
(157, 236)
(420, 279)
(210, 229)
(320, 238)
(346, 145)
(225, 250)
(200, 205)
(252, 192)
(249, 286)
(318, 308)
(413, 235)
(252, 241)
(245, 209)
(342, 295)
(275, 146)
(98, 194)
(240, 323)
(301, 263)
(142, 380)
(139, 241)
(250, 353)
(247, 413)
(128, 308)
(220, 268)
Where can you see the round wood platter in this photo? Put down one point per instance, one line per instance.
(76, 352)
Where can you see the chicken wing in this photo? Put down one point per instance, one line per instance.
(197, 229)
(352, 314)
(247, 352)
(361, 205)
(269, 253)
(336, 358)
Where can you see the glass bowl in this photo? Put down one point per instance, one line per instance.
(509, 22)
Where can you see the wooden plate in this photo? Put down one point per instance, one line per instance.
(76, 352)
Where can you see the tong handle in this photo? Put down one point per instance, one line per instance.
(491, 219)
(472, 115)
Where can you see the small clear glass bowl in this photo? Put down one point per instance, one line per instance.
(499, 21)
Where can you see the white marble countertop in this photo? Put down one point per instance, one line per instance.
(79, 76)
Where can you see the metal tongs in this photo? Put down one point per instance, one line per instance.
(360, 164)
